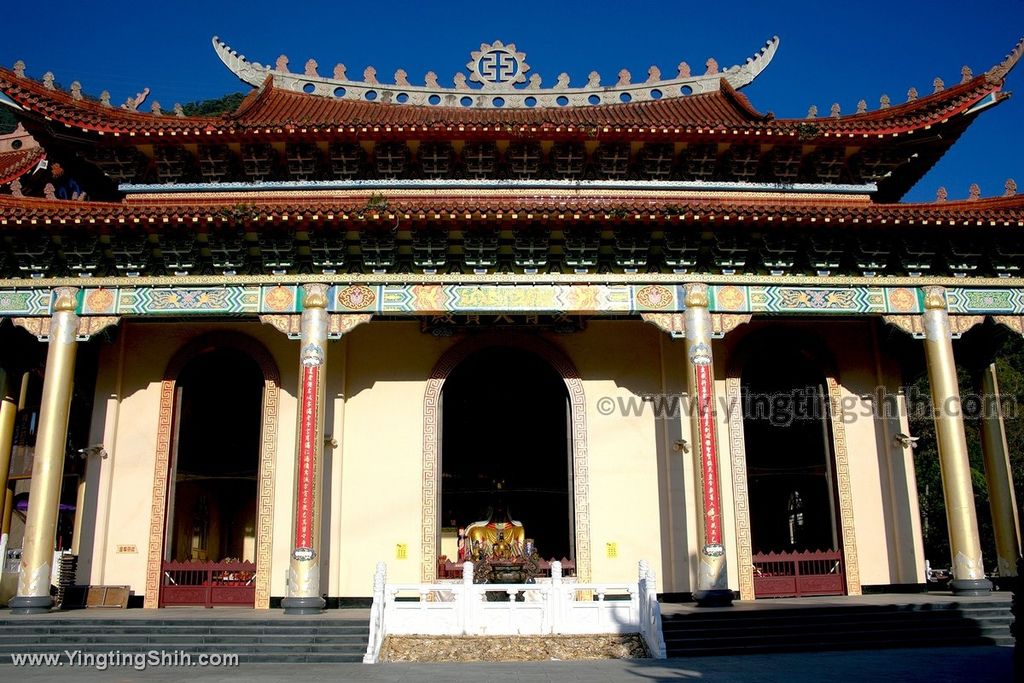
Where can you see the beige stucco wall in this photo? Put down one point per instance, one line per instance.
(386, 372)
(641, 493)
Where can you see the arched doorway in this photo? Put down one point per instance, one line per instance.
(795, 533)
(212, 501)
(505, 448)
(559, 362)
(207, 368)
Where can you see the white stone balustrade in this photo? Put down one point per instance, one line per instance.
(554, 607)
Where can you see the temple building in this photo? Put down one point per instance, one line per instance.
(248, 356)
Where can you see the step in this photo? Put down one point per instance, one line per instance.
(806, 614)
(193, 648)
(843, 626)
(838, 637)
(776, 648)
(199, 627)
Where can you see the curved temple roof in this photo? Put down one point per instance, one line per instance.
(498, 69)
(721, 112)
(210, 208)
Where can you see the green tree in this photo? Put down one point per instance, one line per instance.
(220, 105)
(7, 121)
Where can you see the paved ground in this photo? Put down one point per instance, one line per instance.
(974, 664)
(196, 614)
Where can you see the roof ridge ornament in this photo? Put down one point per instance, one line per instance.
(1001, 70)
(499, 76)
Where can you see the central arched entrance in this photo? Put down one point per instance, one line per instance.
(216, 461)
(219, 392)
(795, 532)
(506, 449)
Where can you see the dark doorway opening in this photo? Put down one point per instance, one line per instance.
(216, 459)
(505, 447)
(795, 537)
(788, 444)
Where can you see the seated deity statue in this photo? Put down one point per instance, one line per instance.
(507, 537)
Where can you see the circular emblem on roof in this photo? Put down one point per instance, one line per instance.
(497, 64)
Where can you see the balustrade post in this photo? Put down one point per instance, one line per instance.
(558, 597)
(468, 600)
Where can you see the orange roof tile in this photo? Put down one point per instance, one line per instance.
(270, 107)
(687, 209)
(18, 162)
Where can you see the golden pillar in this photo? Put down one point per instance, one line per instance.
(712, 576)
(48, 466)
(996, 454)
(964, 542)
(8, 511)
(304, 568)
(8, 411)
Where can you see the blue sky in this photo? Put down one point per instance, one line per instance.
(830, 52)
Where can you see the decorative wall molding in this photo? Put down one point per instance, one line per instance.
(430, 522)
(740, 497)
(268, 458)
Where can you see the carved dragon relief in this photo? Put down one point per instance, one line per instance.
(498, 69)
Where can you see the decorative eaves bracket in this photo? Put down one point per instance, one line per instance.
(338, 325)
(914, 324)
(675, 323)
(88, 326)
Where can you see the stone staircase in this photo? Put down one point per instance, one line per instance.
(791, 628)
(284, 640)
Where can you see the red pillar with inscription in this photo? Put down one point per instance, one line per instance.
(712, 576)
(304, 567)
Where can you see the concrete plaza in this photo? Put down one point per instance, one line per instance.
(977, 664)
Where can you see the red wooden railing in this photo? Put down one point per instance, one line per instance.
(781, 575)
(208, 584)
(446, 569)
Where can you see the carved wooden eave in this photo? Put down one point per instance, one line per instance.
(338, 324)
(494, 91)
(914, 324)
(87, 326)
(1013, 322)
(675, 323)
